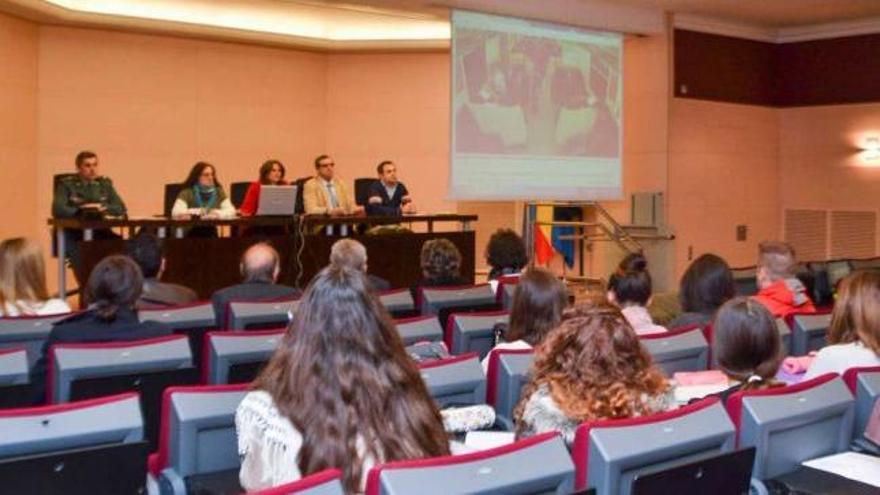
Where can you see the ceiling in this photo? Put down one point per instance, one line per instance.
(413, 24)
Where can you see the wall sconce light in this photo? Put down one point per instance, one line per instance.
(871, 149)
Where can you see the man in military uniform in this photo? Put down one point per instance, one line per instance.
(82, 194)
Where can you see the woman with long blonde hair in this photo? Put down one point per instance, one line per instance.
(589, 368)
(23, 281)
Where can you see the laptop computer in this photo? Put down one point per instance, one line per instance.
(277, 201)
(722, 474)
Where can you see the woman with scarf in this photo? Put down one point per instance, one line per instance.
(202, 196)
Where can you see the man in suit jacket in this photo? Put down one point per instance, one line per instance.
(146, 250)
(260, 266)
(388, 196)
(325, 194)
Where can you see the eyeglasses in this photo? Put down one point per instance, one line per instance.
(324, 165)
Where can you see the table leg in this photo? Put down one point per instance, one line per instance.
(62, 269)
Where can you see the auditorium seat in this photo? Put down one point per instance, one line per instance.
(418, 329)
(808, 331)
(192, 320)
(505, 290)
(864, 384)
(473, 332)
(91, 446)
(260, 314)
(237, 357)
(326, 482)
(362, 189)
(784, 335)
(198, 449)
(868, 264)
(789, 425)
(837, 270)
(15, 387)
(455, 381)
(746, 280)
(680, 349)
(82, 371)
(539, 464)
(507, 373)
(171, 193)
(398, 302)
(237, 192)
(609, 453)
(432, 299)
(29, 332)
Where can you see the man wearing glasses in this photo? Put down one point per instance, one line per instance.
(325, 194)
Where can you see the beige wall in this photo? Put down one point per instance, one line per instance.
(18, 130)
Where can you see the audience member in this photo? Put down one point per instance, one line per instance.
(538, 302)
(340, 392)
(146, 250)
(854, 334)
(23, 281)
(271, 174)
(746, 345)
(350, 253)
(778, 288)
(388, 196)
(114, 286)
(260, 267)
(591, 367)
(506, 254)
(705, 286)
(325, 194)
(630, 289)
(440, 261)
(202, 195)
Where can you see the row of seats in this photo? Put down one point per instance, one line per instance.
(197, 446)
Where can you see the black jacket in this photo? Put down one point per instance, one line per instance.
(390, 205)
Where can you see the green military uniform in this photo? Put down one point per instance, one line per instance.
(73, 191)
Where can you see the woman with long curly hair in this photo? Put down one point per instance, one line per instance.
(340, 392)
(589, 368)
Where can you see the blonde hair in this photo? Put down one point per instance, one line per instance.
(348, 253)
(856, 315)
(22, 273)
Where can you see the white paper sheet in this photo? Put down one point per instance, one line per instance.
(684, 393)
(852, 465)
(482, 440)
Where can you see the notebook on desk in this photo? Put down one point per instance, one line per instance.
(277, 201)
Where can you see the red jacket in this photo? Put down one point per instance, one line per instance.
(785, 296)
(251, 200)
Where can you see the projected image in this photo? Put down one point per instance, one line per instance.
(523, 94)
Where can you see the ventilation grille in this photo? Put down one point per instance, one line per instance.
(853, 234)
(807, 231)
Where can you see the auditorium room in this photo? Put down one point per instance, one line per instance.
(439, 247)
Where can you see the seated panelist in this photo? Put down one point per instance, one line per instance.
(327, 195)
(271, 174)
(202, 196)
(388, 196)
(77, 194)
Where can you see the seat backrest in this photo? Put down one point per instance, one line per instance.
(419, 328)
(362, 189)
(808, 331)
(609, 454)
(397, 300)
(171, 192)
(237, 192)
(539, 464)
(864, 383)
(265, 313)
(115, 419)
(433, 299)
(865, 264)
(788, 425)
(326, 482)
(837, 270)
(299, 183)
(746, 280)
(784, 335)
(507, 373)
(473, 332)
(457, 380)
(30, 332)
(681, 349)
(13, 367)
(226, 349)
(505, 290)
(183, 317)
(198, 431)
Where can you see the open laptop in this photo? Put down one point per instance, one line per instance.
(277, 201)
(723, 474)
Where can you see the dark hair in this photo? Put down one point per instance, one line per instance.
(706, 285)
(196, 171)
(440, 259)
(505, 252)
(538, 302)
(146, 250)
(631, 283)
(318, 160)
(115, 283)
(266, 169)
(746, 343)
(83, 156)
(342, 377)
(381, 167)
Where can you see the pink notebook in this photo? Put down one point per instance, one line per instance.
(710, 377)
